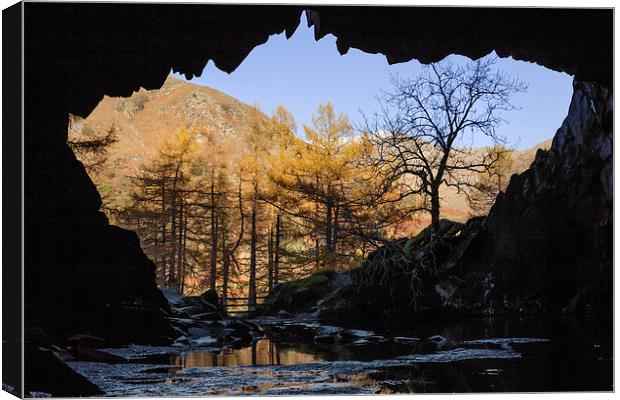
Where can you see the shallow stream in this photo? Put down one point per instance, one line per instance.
(468, 355)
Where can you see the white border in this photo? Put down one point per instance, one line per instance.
(481, 3)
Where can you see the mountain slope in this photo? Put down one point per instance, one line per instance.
(148, 115)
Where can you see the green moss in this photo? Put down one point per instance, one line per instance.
(414, 243)
(447, 229)
(325, 271)
(318, 278)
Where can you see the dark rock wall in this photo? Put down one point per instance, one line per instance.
(84, 275)
(549, 238)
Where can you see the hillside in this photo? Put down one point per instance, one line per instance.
(144, 118)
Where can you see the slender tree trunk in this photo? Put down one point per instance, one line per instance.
(213, 273)
(225, 269)
(180, 245)
(435, 184)
(270, 259)
(317, 251)
(317, 234)
(162, 249)
(335, 232)
(435, 210)
(252, 289)
(276, 252)
(183, 254)
(173, 233)
(173, 242)
(328, 230)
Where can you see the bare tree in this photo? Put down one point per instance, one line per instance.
(423, 134)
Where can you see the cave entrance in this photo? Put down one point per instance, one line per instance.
(204, 169)
(85, 279)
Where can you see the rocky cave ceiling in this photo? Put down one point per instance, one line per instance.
(86, 51)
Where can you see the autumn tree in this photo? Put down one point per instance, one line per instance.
(258, 142)
(231, 245)
(423, 133)
(160, 205)
(316, 178)
(283, 126)
(148, 212)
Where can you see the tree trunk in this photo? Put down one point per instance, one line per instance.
(317, 237)
(328, 229)
(317, 251)
(335, 232)
(173, 204)
(213, 272)
(183, 254)
(252, 289)
(225, 269)
(173, 233)
(162, 249)
(435, 211)
(276, 252)
(180, 245)
(270, 259)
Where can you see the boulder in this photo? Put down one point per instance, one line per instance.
(204, 307)
(325, 339)
(110, 287)
(47, 374)
(284, 314)
(409, 276)
(211, 298)
(299, 295)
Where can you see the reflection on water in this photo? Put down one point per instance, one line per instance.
(262, 352)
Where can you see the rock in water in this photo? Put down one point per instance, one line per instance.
(284, 314)
(325, 339)
(47, 374)
(302, 294)
(211, 297)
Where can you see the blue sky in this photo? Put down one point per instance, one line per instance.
(300, 73)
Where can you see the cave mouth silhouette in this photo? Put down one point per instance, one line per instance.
(74, 54)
